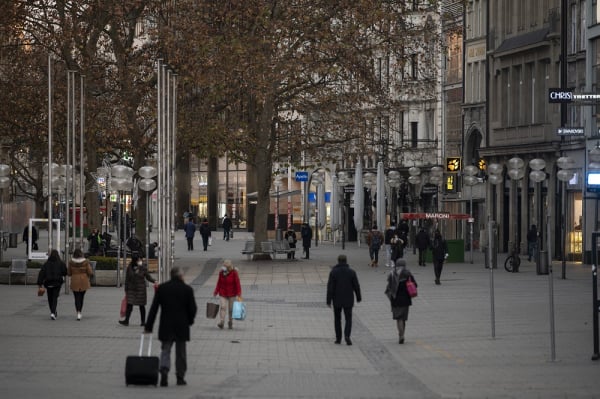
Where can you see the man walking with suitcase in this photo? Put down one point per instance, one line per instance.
(178, 310)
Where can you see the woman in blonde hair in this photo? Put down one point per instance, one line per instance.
(228, 288)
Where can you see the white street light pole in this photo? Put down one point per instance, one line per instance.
(470, 180)
(4, 183)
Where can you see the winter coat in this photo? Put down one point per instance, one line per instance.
(190, 229)
(177, 311)
(228, 284)
(306, 234)
(422, 239)
(389, 234)
(396, 287)
(135, 284)
(52, 274)
(227, 223)
(370, 240)
(292, 240)
(342, 286)
(439, 248)
(80, 271)
(205, 230)
(397, 248)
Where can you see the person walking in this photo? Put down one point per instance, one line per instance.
(51, 276)
(397, 249)
(177, 312)
(397, 293)
(532, 237)
(80, 271)
(439, 249)
(374, 239)
(34, 239)
(342, 285)
(290, 237)
(135, 288)
(389, 234)
(190, 230)
(226, 228)
(306, 234)
(422, 242)
(205, 233)
(95, 241)
(228, 288)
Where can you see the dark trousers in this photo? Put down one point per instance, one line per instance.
(374, 254)
(226, 234)
(190, 241)
(337, 321)
(422, 256)
(205, 242)
(437, 268)
(53, 293)
(78, 295)
(292, 254)
(180, 357)
(142, 313)
(307, 252)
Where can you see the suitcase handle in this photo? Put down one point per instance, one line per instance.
(149, 344)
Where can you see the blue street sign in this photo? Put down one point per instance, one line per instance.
(301, 176)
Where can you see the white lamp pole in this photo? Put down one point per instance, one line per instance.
(470, 180)
(565, 173)
(147, 184)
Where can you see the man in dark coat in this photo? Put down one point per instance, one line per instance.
(178, 310)
(439, 249)
(190, 230)
(306, 234)
(422, 242)
(341, 288)
(226, 228)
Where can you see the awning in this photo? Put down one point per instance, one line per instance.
(435, 215)
(274, 194)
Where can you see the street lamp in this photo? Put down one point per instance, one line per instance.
(147, 184)
(4, 183)
(277, 182)
(538, 176)
(516, 171)
(393, 180)
(470, 180)
(343, 181)
(565, 173)
(121, 181)
(436, 176)
(317, 181)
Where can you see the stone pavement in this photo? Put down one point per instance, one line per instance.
(285, 349)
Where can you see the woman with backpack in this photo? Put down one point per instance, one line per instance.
(375, 239)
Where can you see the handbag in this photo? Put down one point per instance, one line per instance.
(123, 312)
(212, 309)
(209, 241)
(411, 288)
(238, 311)
(41, 291)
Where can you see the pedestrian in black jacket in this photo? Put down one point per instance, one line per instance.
(51, 276)
(341, 288)
(439, 250)
(205, 233)
(422, 242)
(306, 234)
(177, 312)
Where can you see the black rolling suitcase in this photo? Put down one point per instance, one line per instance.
(142, 370)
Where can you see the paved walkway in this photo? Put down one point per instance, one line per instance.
(285, 347)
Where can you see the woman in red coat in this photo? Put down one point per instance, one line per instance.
(228, 288)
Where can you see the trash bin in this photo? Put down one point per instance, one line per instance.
(456, 251)
(542, 264)
(12, 240)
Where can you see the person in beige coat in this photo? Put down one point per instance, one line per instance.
(80, 272)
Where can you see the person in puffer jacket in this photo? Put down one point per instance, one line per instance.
(80, 271)
(228, 288)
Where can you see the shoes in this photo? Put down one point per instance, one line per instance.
(142, 324)
(181, 381)
(401, 341)
(437, 282)
(123, 322)
(348, 341)
(230, 324)
(164, 378)
(338, 341)
(220, 325)
(52, 316)
(78, 316)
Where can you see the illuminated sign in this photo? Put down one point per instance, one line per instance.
(453, 164)
(481, 164)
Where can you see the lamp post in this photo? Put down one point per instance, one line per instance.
(121, 181)
(538, 176)
(317, 181)
(277, 182)
(565, 173)
(470, 180)
(437, 177)
(4, 183)
(343, 181)
(414, 179)
(147, 184)
(516, 171)
(494, 178)
(393, 180)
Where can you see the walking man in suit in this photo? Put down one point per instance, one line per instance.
(341, 288)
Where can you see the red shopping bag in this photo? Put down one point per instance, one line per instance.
(124, 306)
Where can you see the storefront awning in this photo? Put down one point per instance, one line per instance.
(435, 215)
